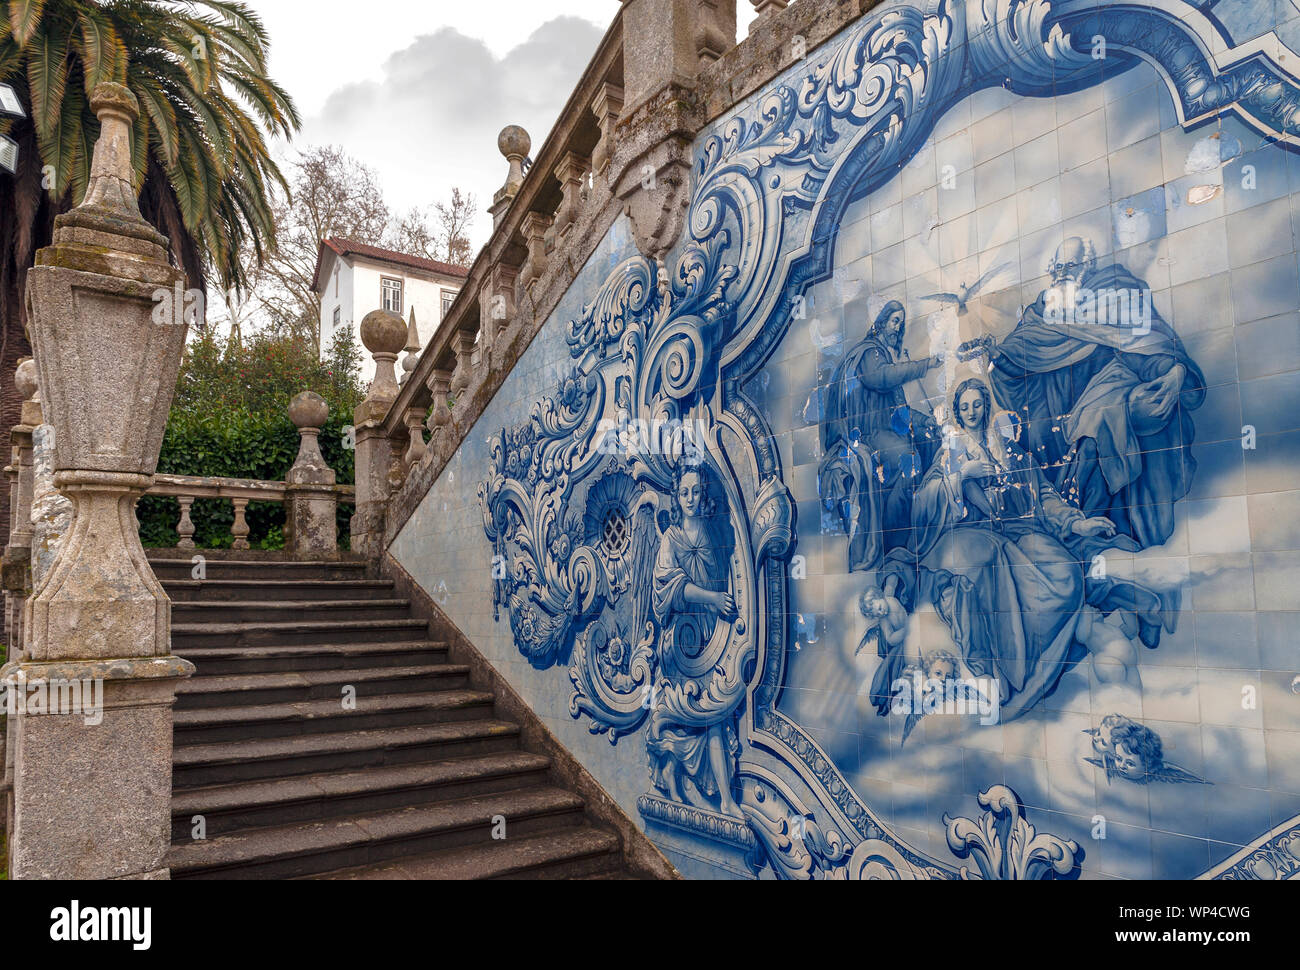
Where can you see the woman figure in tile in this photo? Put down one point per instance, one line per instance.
(692, 737)
(997, 551)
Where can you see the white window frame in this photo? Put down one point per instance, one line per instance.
(385, 288)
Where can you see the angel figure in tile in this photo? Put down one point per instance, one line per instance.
(692, 737)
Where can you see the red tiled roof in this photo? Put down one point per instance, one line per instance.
(348, 247)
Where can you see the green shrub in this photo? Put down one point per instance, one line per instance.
(229, 420)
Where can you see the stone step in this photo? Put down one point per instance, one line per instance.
(315, 847)
(314, 656)
(187, 635)
(216, 568)
(263, 611)
(581, 852)
(225, 762)
(288, 686)
(209, 725)
(317, 797)
(238, 590)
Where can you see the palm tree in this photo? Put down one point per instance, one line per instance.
(202, 167)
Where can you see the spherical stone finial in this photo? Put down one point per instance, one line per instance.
(26, 379)
(383, 332)
(513, 140)
(308, 410)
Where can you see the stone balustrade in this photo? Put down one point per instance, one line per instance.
(310, 496)
(620, 149)
(239, 492)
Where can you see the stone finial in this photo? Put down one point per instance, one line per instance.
(309, 412)
(383, 334)
(27, 381)
(514, 143)
(412, 347)
(111, 173)
(312, 504)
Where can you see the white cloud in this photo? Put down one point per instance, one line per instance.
(431, 120)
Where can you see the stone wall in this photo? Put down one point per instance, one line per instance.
(942, 467)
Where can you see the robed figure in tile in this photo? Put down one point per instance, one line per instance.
(875, 446)
(1106, 392)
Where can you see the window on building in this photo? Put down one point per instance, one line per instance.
(338, 317)
(448, 298)
(391, 293)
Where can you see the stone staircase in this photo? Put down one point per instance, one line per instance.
(407, 782)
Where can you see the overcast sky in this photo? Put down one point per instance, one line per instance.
(420, 90)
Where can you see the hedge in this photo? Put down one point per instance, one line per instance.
(235, 444)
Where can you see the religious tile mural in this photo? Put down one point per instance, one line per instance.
(931, 511)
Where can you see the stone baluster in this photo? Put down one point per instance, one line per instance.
(497, 305)
(415, 449)
(572, 173)
(514, 144)
(767, 8)
(607, 106)
(715, 29)
(439, 413)
(534, 228)
(413, 348)
(185, 527)
(312, 503)
(384, 335)
(239, 528)
(92, 793)
(463, 346)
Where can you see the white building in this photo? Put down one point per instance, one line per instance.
(353, 278)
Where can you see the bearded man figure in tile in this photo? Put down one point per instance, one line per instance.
(1105, 391)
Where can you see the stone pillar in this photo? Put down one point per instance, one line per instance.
(514, 144)
(607, 106)
(15, 568)
(17, 561)
(665, 42)
(312, 503)
(92, 785)
(384, 335)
